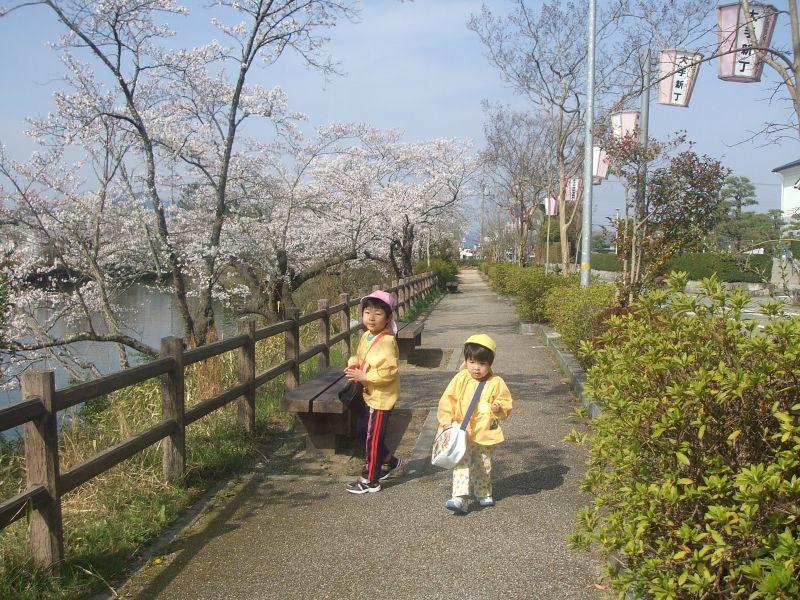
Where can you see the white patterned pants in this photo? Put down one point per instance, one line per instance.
(472, 476)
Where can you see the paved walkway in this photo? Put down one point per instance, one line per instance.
(308, 538)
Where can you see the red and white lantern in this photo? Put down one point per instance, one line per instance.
(624, 123)
(550, 206)
(677, 70)
(574, 189)
(600, 163)
(738, 61)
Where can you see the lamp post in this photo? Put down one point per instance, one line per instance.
(586, 238)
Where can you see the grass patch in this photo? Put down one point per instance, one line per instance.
(422, 306)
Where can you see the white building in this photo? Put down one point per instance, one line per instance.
(790, 188)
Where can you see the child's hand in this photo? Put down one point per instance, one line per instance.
(354, 374)
(495, 407)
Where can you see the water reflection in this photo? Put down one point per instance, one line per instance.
(150, 315)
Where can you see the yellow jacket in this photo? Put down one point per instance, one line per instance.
(455, 401)
(382, 382)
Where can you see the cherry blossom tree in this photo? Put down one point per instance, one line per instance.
(415, 186)
(184, 108)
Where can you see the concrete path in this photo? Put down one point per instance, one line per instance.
(308, 538)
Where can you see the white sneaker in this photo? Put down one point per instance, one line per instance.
(486, 501)
(456, 504)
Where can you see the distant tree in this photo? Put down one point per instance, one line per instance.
(736, 193)
(755, 229)
(540, 49)
(682, 204)
(516, 163)
(683, 201)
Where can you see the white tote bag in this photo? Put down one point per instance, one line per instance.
(450, 444)
(449, 447)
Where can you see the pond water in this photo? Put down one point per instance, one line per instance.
(153, 315)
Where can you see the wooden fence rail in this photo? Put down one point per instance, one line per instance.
(41, 402)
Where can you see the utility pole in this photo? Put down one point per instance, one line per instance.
(588, 171)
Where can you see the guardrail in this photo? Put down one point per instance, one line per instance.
(41, 402)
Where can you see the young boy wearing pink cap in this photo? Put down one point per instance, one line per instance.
(375, 365)
(472, 476)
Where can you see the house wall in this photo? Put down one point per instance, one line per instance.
(790, 196)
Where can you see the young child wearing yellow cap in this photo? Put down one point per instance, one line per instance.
(472, 475)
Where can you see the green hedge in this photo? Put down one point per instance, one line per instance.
(574, 311)
(445, 270)
(695, 460)
(749, 268)
(606, 262)
(529, 284)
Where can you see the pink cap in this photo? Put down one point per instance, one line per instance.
(390, 301)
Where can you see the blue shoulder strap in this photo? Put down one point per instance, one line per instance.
(473, 404)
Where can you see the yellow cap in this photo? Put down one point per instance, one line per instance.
(483, 340)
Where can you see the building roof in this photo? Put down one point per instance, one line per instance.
(794, 163)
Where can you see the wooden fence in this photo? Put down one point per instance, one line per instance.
(41, 402)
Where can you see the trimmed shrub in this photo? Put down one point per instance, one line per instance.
(503, 277)
(446, 270)
(575, 312)
(532, 285)
(695, 459)
(748, 268)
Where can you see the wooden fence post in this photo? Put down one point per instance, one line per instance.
(292, 349)
(246, 371)
(41, 459)
(402, 299)
(345, 323)
(396, 293)
(173, 406)
(324, 334)
(362, 293)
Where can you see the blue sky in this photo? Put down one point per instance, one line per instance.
(416, 67)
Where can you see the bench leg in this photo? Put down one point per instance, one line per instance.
(406, 349)
(329, 433)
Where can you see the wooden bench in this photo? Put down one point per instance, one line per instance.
(452, 286)
(330, 426)
(409, 336)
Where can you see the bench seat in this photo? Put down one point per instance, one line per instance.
(409, 336)
(329, 425)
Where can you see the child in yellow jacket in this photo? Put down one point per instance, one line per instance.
(472, 475)
(375, 365)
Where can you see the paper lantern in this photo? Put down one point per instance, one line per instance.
(624, 123)
(550, 206)
(677, 71)
(574, 189)
(600, 164)
(737, 61)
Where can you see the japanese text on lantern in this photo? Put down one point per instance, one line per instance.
(739, 34)
(574, 188)
(677, 71)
